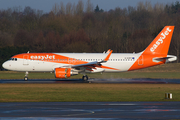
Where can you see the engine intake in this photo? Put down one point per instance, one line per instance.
(62, 72)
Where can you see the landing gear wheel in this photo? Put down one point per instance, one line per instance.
(85, 78)
(25, 78)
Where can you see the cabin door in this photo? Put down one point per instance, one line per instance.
(26, 60)
(140, 60)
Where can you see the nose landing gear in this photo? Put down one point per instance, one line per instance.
(26, 76)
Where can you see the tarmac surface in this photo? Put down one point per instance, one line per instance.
(121, 80)
(90, 110)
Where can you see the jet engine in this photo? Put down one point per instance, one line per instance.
(64, 72)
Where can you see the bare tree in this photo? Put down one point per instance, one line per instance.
(148, 6)
(74, 9)
(89, 6)
(55, 9)
(158, 8)
(140, 6)
(79, 7)
(69, 8)
(62, 8)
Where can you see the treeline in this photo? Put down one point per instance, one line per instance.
(83, 27)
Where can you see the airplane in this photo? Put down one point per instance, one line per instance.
(65, 65)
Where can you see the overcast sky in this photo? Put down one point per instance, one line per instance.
(46, 5)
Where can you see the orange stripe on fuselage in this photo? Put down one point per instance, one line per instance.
(105, 67)
(50, 57)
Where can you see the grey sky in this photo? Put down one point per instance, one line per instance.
(46, 5)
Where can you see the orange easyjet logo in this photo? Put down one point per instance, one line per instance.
(42, 57)
(160, 40)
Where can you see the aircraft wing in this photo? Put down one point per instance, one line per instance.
(92, 65)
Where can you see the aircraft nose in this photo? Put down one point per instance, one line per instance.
(5, 65)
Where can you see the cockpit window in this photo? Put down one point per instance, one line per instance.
(13, 59)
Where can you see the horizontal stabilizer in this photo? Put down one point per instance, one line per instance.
(169, 58)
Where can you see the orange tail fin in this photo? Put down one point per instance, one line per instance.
(160, 45)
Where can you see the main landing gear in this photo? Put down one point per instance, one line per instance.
(85, 77)
(26, 76)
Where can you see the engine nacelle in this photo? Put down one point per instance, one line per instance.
(62, 72)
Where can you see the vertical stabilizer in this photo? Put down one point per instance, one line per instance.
(160, 45)
(156, 52)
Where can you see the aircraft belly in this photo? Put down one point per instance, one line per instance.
(118, 66)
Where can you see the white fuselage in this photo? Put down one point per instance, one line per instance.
(117, 61)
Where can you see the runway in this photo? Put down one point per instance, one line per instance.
(121, 80)
(90, 110)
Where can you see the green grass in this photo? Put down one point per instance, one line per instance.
(93, 92)
(20, 75)
(87, 92)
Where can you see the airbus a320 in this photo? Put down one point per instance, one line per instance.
(65, 65)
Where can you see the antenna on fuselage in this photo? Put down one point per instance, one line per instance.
(27, 51)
